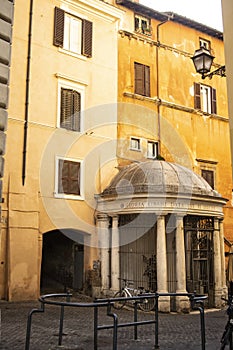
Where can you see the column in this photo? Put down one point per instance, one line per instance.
(182, 303)
(164, 302)
(222, 252)
(115, 256)
(103, 240)
(217, 265)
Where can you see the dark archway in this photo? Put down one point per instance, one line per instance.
(62, 265)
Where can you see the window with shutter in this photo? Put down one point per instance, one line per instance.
(68, 177)
(70, 109)
(205, 98)
(141, 79)
(72, 33)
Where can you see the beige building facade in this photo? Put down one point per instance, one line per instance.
(61, 111)
(118, 154)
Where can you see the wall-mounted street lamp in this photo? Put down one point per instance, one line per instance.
(202, 60)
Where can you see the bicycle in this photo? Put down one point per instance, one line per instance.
(146, 304)
(227, 334)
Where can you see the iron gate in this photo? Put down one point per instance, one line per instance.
(137, 256)
(199, 255)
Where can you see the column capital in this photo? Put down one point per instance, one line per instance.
(102, 217)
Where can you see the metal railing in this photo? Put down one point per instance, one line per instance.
(196, 302)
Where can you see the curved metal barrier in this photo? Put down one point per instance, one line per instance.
(196, 302)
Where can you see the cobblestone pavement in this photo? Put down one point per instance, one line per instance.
(176, 331)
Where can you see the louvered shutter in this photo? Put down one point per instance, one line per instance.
(197, 96)
(74, 178)
(76, 110)
(59, 18)
(66, 108)
(87, 38)
(138, 78)
(63, 176)
(147, 81)
(213, 101)
(69, 177)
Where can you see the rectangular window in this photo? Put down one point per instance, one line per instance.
(70, 108)
(68, 177)
(205, 98)
(135, 144)
(204, 43)
(152, 149)
(208, 175)
(141, 79)
(72, 33)
(142, 25)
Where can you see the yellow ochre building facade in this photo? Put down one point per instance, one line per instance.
(118, 161)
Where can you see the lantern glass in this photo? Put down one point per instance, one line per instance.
(202, 60)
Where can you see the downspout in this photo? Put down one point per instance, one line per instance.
(27, 95)
(157, 84)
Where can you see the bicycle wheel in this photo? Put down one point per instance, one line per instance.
(225, 340)
(119, 304)
(147, 304)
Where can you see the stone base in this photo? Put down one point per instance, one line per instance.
(96, 292)
(164, 304)
(182, 304)
(217, 298)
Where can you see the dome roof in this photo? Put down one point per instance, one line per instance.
(158, 177)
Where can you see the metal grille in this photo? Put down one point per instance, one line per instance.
(138, 258)
(199, 255)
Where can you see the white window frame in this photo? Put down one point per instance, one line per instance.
(204, 43)
(70, 12)
(149, 154)
(206, 99)
(140, 29)
(72, 34)
(65, 195)
(80, 88)
(136, 140)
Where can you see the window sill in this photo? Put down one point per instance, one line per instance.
(68, 196)
(73, 54)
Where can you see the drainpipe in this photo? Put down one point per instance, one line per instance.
(27, 95)
(157, 85)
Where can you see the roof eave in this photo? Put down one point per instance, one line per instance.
(163, 16)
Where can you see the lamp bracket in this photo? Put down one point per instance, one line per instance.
(219, 71)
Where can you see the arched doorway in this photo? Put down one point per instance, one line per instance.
(62, 265)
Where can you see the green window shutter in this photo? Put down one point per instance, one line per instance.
(147, 81)
(213, 101)
(87, 38)
(197, 96)
(59, 19)
(138, 78)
